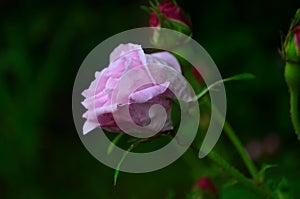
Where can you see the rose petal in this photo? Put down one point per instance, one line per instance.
(89, 126)
(111, 83)
(95, 101)
(169, 58)
(123, 49)
(148, 93)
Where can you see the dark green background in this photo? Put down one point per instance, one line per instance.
(42, 45)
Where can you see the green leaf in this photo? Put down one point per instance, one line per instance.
(283, 190)
(179, 26)
(114, 143)
(175, 3)
(117, 170)
(145, 8)
(175, 114)
(264, 168)
(153, 4)
(230, 183)
(241, 76)
(194, 195)
(237, 191)
(171, 195)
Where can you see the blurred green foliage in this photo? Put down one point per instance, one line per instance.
(41, 48)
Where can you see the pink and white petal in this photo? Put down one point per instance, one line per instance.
(169, 58)
(123, 49)
(90, 115)
(117, 68)
(140, 120)
(87, 93)
(86, 115)
(99, 77)
(95, 101)
(91, 90)
(106, 108)
(148, 93)
(112, 83)
(101, 82)
(97, 84)
(89, 126)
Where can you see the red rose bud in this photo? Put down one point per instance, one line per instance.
(173, 12)
(207, 185)
(204, 189)
(291, 46)
(296, 32)
(154, 22)
(291, 54)
(169, 15)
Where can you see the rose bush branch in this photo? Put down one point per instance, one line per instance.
(169, 15)
(229, 130)
(241, 150)
(263, 192)
(230, 133)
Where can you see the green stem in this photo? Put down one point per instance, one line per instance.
(238, 146)
(241, 150)
(292, 78)
(228, 129)
(213, 156)
(295, 112)
(240, 177)
(132, 146)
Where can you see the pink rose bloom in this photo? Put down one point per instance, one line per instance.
(98, 97)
